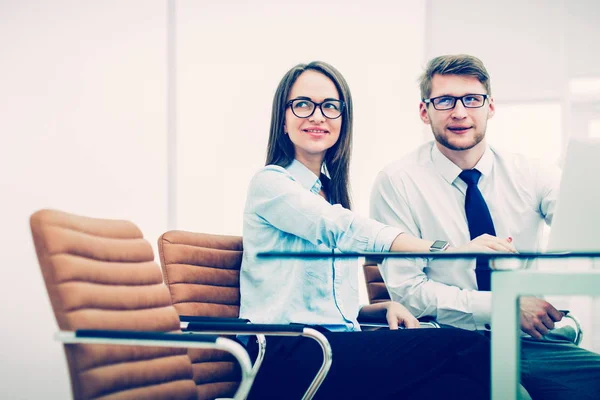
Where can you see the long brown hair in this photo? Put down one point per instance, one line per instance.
(280, 150)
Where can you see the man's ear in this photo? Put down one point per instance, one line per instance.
(492, 108)
(423, 113)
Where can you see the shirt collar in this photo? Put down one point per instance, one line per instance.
(485, 162)
(304, 176)
(450, 171)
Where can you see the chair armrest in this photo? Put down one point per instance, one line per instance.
(224, 326)
(578, 329)
(235, 326)
(576, 325)
(240, 328)
(191, 318)
(91, 334)
(182, 340)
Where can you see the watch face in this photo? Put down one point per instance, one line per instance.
(439, 245)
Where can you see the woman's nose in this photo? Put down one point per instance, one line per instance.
(317, 115)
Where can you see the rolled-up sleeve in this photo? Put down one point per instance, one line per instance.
(385, 238)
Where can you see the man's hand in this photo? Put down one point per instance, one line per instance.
(538, 316)
(486, 244)
(397, 314)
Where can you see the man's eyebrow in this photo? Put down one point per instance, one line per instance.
(450, 95)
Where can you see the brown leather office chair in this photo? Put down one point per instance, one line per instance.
(101, 275)
(202, 272)
(376, 289)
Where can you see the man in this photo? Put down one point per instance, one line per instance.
(457, 188)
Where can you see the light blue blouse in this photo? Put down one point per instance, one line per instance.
(284, 212)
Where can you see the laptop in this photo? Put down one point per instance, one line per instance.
(576, 221)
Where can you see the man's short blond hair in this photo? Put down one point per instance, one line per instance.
(454, 64)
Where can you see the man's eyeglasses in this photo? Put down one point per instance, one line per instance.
(448, 102)
(304, 108)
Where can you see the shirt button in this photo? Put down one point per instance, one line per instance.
(487, 326)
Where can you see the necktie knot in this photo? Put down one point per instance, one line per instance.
(470, 176)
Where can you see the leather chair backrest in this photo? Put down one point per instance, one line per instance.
(202, 272)
(376, 289)
(101, 274)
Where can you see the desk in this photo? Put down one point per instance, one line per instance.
(507, 286)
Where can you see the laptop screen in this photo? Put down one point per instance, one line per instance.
(576, 222)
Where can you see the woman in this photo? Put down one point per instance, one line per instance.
(300, 202)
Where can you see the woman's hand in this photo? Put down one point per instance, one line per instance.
(397, 314)
(486, 244)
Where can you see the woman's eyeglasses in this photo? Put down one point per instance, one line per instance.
(304, 108)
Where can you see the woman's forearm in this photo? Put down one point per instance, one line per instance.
(408, 243)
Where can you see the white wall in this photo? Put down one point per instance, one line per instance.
(521, 42)
(82, 120)
(231, 56)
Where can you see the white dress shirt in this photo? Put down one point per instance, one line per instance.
(423, 195)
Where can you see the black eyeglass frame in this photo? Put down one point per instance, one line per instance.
(315, 104)
(461, 98)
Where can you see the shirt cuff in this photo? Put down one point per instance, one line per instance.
(481, 306)
(385, 238)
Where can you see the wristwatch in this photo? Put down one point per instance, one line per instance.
(439, 245)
